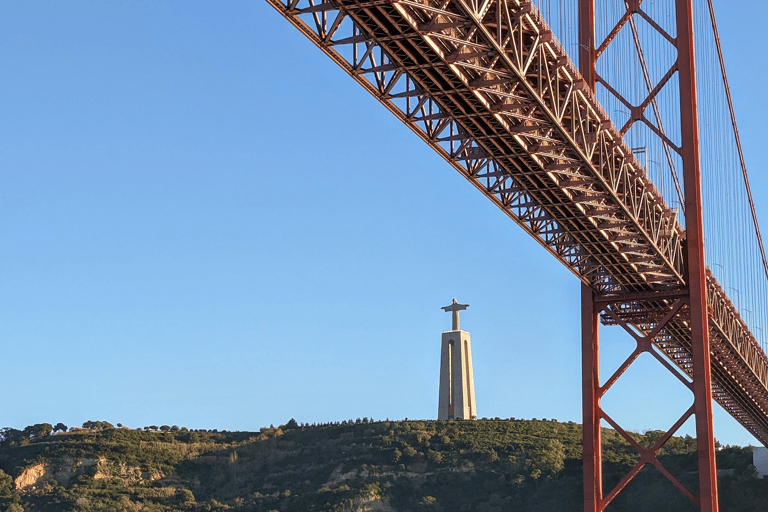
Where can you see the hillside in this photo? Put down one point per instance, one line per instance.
(485, 465)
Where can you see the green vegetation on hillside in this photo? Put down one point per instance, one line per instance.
(485, 465)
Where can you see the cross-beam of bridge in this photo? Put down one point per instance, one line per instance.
(489, 88)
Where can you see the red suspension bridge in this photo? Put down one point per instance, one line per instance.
(581, 122)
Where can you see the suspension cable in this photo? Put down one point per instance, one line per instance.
(738, 139)
(656, 111)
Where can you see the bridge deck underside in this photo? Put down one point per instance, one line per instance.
(488, 87)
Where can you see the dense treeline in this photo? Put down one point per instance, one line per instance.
(485, 465)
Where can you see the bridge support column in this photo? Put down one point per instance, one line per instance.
(693, 299)
(590, 386)
(614, 310)
(696, 266)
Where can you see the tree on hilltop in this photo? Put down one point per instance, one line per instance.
(97, 425)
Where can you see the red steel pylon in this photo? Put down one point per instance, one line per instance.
(690, 302)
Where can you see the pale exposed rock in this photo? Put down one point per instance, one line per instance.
(123, 471)
(32, 475)
(337, 476)
(65, 468)
(372, 504)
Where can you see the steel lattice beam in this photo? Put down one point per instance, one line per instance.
(488, 87)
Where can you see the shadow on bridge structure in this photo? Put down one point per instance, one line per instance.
(596, 153)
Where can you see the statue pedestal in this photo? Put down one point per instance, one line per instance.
(457, 382)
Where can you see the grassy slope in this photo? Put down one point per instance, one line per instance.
(484, 465)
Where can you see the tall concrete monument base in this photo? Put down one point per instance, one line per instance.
(457, 382)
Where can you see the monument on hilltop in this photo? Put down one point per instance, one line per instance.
(457, 383)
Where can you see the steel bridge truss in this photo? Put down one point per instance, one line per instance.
(658, 342)
(658, 338)
(489, 88)
(515, 118)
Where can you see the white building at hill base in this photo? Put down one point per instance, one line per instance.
(760, 460)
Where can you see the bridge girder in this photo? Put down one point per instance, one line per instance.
(488, 87)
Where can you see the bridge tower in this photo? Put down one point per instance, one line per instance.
(488, 86)
(457, 382)
(689, 301)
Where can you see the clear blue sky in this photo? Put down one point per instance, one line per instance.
(205, 222)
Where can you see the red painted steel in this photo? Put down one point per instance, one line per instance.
(647, 341)
(592, 447)
(695, 296)
(590, 385)
(489, 88)
(702, 372)
(587, 53)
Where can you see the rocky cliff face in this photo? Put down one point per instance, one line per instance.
(372, 504)
(63, 469)
(31, 476)
(126, 473)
